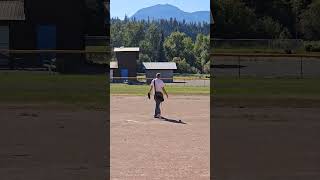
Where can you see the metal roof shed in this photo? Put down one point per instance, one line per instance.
(164, 68)
(127, 49)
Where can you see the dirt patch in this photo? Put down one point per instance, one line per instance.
(52, 142)
(146, 148)
(272, 140)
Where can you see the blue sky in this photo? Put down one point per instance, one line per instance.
(119, 8)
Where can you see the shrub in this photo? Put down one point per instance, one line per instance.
(312, 46)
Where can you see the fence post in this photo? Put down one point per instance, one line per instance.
(301, 68)
(239, 67)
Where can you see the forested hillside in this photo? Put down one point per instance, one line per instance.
(187, 44)
(267, 19)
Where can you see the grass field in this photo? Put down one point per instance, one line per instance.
(30, 87)
(276, 87)
(82, 90)
(140, 90)
(40, 87)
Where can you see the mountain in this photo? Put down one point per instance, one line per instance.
(167, 11)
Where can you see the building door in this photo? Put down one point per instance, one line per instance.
(4, 44)
(124, 74)
(46, 40)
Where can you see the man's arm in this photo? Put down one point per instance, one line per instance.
(151, 87)
(165, 92)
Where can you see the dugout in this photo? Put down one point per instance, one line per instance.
(127, 63)
(165, 68)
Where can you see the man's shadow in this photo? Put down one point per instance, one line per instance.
(172, 120)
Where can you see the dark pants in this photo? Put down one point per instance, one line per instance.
(157, 110)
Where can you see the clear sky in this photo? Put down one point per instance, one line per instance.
(119, 8)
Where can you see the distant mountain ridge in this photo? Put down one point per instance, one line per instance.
(167, 11)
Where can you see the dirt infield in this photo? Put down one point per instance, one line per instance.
(146, 148)
(266, 139)
(51, 142)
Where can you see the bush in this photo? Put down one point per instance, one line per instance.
(312, 46)
(184, 67)
(308, 47)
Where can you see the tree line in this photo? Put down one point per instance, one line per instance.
(272, 19)
(187, 44)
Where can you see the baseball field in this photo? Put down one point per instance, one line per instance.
(177, 147)
(261, 127)
(51, 120)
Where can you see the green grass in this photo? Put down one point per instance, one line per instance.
(142, 90)
(40, 87)
(79, 90)
(92, 90)
(263, 87)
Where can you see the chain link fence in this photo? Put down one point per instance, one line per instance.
(265, 65)
(55, 61)
(175, 81)
(258, 45)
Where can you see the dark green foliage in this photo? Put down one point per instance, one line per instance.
(263, 19)
(95, 17)
(312, 46)
(233, 19)
(310, 22)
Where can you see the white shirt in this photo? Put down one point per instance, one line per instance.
(159, 84)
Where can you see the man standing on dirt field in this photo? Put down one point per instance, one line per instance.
(159, 89)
